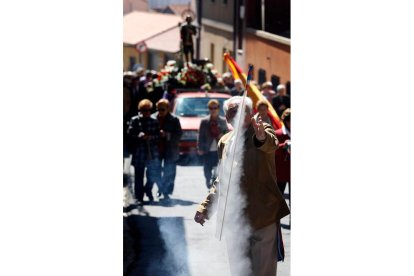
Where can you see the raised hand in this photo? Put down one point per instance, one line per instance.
(259, 128)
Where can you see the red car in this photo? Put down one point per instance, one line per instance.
(190, 108)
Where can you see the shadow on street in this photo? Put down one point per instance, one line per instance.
(173, 202)
(154, 246)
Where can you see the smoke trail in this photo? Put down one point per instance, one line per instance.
(174, 261)
(236, 228)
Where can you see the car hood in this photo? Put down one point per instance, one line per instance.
(190, 123)
(193, 123)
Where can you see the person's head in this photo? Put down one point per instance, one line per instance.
(145, 107)
(129, 78)
(163, 106)
(267, 85)
(213, 107)
(286, 117)
(281, 90)
(227, 78)
(140, 72)
(238, 84)
(231, 106)
(148, 75)
(220, 81)
(262, 107)
(188, 19)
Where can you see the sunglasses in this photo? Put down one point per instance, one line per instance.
(161, 109)
(145, 110)
(213, 107)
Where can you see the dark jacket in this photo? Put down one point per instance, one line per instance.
(173, 126)
(143, 150)
(280, 103)
(204, 138)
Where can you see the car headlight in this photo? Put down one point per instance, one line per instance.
(189, 135)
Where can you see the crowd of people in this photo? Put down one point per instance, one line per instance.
(152, 132)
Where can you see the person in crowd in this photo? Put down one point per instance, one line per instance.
(262, 108)
(144, 132)
(265, 205)
(170, 134)
(135, 82)
(210, 75)
(237, 90)
(145, 82)
(228, 80)
(220, 84)
(267, 91)
(281, 101)
(156, 92)
(187, 32)
(140, 72)
(283, 153)
(211, 129)
(170, 94)
(131, 83)
(127, 97)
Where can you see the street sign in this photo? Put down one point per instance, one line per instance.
(141, 47)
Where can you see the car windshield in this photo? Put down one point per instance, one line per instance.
(195, 107)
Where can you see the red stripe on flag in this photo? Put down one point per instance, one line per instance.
(252, 91)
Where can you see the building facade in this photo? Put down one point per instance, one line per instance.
(254, 32)
(150, 40)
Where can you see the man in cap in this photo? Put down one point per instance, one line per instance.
(237, 90)
(267, 91)
(281, 101)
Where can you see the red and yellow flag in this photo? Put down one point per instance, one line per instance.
(252, 90)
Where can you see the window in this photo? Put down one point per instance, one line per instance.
(167, 57)
(273, 16)
(155, 60)
(277, 17)
(275, 80)
(212, 53)
(253, 14)
(262, 76)
(132, 61)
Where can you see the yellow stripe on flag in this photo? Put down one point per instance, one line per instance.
(252, 91)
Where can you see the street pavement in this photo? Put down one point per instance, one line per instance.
(163, 239)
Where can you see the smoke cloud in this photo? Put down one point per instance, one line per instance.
(175, 258)
(236, 228)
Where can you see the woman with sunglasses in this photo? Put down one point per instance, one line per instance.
(144, 131)
(212, 128)
(170, 134)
